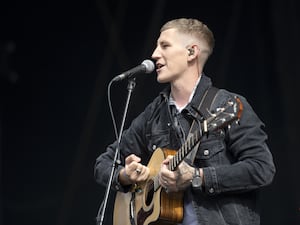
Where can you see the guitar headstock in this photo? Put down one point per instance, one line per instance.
(224, 116)
(220, 118)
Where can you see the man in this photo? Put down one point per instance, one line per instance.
(232, 163)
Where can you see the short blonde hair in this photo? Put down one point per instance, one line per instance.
(193, 27)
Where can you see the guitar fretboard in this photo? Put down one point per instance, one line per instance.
(185, 149)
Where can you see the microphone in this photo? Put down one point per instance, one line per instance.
(147, 66)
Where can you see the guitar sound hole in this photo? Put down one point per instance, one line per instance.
(149, 191)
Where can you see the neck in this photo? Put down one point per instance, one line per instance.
(182, 90)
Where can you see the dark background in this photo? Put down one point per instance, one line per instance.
(57, 58)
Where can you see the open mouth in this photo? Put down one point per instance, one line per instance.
(159, 66)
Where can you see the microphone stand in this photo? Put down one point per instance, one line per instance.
(116, 162)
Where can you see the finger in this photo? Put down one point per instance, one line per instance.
(135, 167)
(166, 173)
(138, 171)
(164, 178)
(163, 182)
(167, 160)
(169, 180)
(161, 179)
(168, 183)
(143, 176)
(164, 168)
(132, 162)
(132, 158)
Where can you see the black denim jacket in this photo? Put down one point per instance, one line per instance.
(236, 162)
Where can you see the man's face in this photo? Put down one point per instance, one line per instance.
(171, 55)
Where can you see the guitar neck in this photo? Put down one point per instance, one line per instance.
(222, 117)
(185, 149)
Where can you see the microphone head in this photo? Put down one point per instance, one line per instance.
(149, 65)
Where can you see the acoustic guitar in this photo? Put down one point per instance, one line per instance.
(148, 203)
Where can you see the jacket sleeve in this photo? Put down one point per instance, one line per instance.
(133, 141)
(253, 166)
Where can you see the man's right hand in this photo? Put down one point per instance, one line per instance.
(133, 171)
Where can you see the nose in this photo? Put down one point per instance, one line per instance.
(155, 54)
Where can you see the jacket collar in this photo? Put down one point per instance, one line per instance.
(204, 84)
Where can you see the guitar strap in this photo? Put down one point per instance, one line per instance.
(203, 110)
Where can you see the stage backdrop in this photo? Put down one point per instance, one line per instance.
(57, 58)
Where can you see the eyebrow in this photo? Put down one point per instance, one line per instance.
(163, 42)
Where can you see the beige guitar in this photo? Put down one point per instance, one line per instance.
(148, 203)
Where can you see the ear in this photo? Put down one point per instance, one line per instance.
(193, 52)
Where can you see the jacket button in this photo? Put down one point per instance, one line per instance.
(154, 147)
(206, 152)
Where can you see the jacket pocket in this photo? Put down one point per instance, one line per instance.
(158, 140)
(211, 152)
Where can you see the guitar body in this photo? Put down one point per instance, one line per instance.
(151, 205)
(121, 209)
